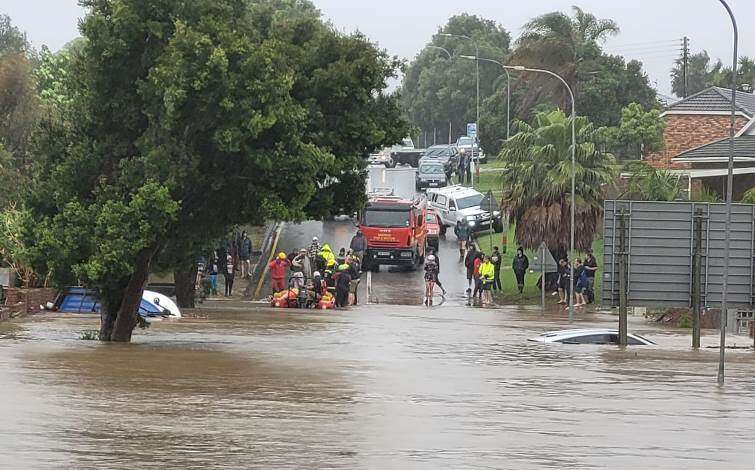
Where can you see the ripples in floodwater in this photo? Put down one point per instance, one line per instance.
(377, 387)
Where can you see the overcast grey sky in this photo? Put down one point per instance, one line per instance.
(651, 30)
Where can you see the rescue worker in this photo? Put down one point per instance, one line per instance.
(319, 287)
(487, 277)
(343, 280)
(329, 262)
(278, 268)
(355, 270)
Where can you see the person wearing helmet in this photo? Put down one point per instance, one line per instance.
(327, 254)
(278, 268)
(431, 276)
(342, 280)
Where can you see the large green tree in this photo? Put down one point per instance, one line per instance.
(189, 117)
(536, 181)
(560, 43)
(638, 132)
(438, 89)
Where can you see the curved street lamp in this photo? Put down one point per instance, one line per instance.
(477, 78)
(573, 170)
(729, 185)
(450, 119)
(508, 89)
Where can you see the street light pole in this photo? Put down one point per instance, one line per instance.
(729, 188)
(508, 89)
(477, 78)
(573, 174)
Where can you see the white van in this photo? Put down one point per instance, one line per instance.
(454, 203)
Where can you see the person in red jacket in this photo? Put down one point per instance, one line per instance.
(278, 268)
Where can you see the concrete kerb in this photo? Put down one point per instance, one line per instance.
(268, 251)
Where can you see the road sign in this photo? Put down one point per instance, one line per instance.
(543, 256)
(660, 254)
(488, 203)
(472, 129)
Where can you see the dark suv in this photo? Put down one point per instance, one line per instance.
(446, 154)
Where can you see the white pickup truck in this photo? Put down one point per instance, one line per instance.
(455, 203)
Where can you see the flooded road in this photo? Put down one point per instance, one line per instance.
(373, 387)
(380, 386)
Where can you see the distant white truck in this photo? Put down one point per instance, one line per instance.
(403, 153)
(458, 203)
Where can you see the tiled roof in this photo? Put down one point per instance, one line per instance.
(715, 99)
(744, 147)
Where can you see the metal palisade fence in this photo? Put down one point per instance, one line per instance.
(661, 240)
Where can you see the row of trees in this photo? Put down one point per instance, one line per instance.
(437, 89)
(168, 125)
(702, 73)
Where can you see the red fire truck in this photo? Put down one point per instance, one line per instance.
(396, 232)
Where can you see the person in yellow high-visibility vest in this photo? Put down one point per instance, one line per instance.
(487, 275)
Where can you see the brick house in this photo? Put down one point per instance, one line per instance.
(696, 140)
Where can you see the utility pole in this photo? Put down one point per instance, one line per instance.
(685, 61)
(623, 281)
(697, 255)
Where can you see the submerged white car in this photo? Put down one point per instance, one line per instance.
(590, 336)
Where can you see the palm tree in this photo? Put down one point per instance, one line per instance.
(647, 183)
(536, 182)
(557, 42)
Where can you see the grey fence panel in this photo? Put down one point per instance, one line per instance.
(660, 237)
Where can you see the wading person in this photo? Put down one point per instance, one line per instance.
(278, 268)
(355, 271)
(314, 251)
(487, 277)
(476, 275)
(431, 276)
(520, 264)
(437, 274)
(212, 274)
(563, 280)
(591, 268)
(245, 255)
(580, 283)
(343, 281)
(496, 258)
(462, 236)
(469, 264)
(229, 273)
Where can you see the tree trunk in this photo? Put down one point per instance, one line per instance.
(120, 310)
(185, 285)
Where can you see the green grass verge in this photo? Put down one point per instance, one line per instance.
(531, 295)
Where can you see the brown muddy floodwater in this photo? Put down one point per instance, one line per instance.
(377, 387)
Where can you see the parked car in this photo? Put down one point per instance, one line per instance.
(80, 300)
(382, 158)
(467, 145)
(458, 203)
(590, 336)
(431, 173)
(447, 154)
(435, 229)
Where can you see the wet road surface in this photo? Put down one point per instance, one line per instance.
(380, 386)
(370, 388)
(396, 286)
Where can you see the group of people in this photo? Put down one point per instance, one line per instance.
(317, 268)
(233, 256)
(583, 282)
(464, 168)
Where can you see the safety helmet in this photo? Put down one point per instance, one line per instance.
(281, 256)
(316, 274)
(431, 259)
(298, 275)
